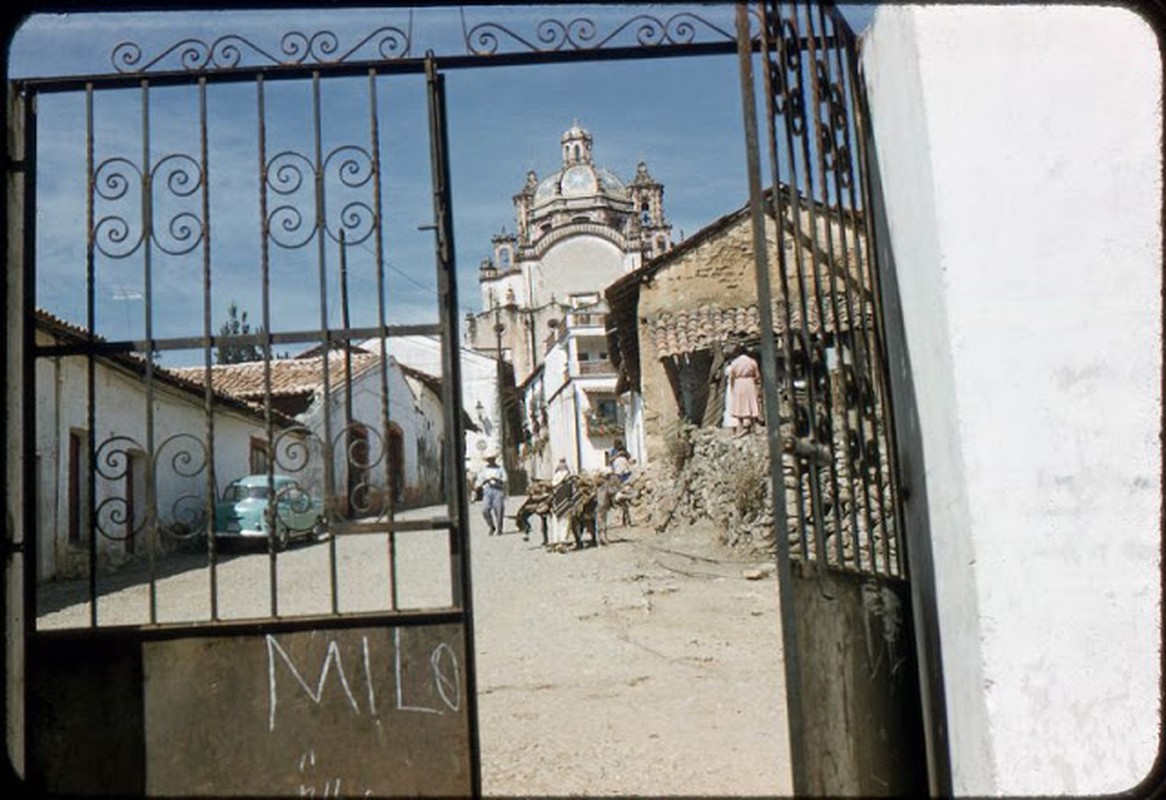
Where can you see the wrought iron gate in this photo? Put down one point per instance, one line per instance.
(267, 675)
(334, 699)
(863, 719)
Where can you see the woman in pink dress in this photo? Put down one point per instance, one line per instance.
(744, 379)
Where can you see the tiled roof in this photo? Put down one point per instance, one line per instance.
(292, 376)
(188, 380)
(678, 332)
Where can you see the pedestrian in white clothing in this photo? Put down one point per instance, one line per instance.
(492, 479)
(560, 526)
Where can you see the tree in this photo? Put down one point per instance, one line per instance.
(237, 325)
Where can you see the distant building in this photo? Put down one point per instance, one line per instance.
(135, 491)
(380, 440)
(673, 324)
(570, 402)
(481, 401)
(577, 230)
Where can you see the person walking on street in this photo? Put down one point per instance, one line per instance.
(492, 479)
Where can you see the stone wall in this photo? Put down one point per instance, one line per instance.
(718, 272)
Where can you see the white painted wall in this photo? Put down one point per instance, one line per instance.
(368, 410)
(120, 402)
(479, 385)
(575, 265)
(430, 446)
(1019, 152)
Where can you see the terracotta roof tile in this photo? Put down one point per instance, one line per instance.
(293, 376)
(678, 332)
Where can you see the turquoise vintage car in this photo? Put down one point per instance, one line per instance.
(246, 511)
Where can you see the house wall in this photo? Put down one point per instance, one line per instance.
(720, 271)
(1018, 148)
(367, 410)
(479, 385)
(431, 445)
(120, 401)
(539, 458)
(563, 440)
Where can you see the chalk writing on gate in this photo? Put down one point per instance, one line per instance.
(443, 678)
(330, 787)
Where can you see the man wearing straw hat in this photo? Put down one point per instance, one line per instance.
(492, 479)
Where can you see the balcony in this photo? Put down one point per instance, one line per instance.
(602, 425)
(596, 367)
(586, 319)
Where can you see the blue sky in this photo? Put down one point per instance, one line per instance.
(681, 116)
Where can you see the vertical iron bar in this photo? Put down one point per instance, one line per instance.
(459, 540)
(378, 233)
(792, 61)
(322, 264)
(90, 365)
(208, 387)
(834, 271)
(265, 292)
(830, 263)
(889, 512)
(783, 274)
(151, 521)
(18, 289)
(796, 719)
(842, 39)
(349, 482)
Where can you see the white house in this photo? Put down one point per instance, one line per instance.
(572, 408)
(430, 448)
(355, 406)
(481, 399)
(125, 456)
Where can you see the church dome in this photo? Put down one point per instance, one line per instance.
(579, 178)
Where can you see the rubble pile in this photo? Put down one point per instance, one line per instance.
(726, 479)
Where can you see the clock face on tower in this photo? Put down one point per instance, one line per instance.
(578, 181)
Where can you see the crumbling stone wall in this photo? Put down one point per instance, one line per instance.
(714, 474)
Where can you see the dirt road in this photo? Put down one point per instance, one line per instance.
(647, 667)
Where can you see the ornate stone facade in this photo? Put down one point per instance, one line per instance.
(576, 230)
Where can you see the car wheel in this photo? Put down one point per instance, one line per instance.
(282, 537)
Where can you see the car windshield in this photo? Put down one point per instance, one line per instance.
(237, 491)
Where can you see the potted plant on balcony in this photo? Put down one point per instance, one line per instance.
(602, 424)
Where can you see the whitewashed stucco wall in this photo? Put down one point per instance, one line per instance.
(479, 385)
(368, 411)
(120, 401)
(580, 264)
(1019, 153)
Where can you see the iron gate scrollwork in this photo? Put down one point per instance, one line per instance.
(851, 610)
(156, 445)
